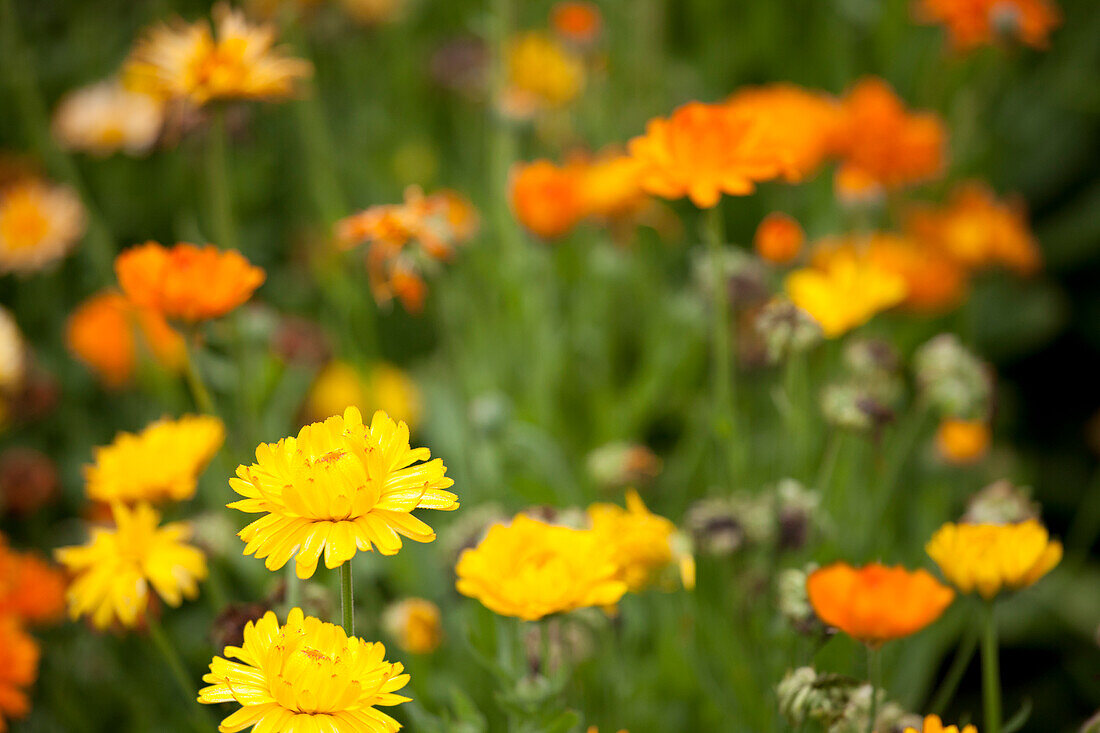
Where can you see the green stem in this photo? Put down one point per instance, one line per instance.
(951, 680)
(221, 225)
(203, 401)
(723, 377)
(991, 676)
(347, 600)
(293, 587)
(179, 671)
(828, 462)
(874, 674)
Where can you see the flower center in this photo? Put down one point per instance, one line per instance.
(23, 225)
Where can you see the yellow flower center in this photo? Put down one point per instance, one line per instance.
(23, 224)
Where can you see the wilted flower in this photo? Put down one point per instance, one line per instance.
(972, 23)
(799, 513)
(792, 600)
(933, 724)
(340, 385)
(963, 442)
(804, 696)
(18, 669)
(541, 74)
(1001, 503)
(615, 465)
(28, 480)
(227, 628)
(39, 223)
(721, 525)
(301, 341)
(786, 329)
(415, 624)
(951, 379)
(778, 238)
(989, 558)
(852, 406)
(106, 117)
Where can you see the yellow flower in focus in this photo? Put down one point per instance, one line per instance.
(933, 724)
(236, 61)
(963, 442)
(339, 487)
(989, 558)
(542, 73)
(530, 569)
(13, 352)
(640, 541)
(39, 223)
(844, 291)
(161, 463)
(415, 623)
(113, 571)
(18, 669)
(306, 676)
(340, 385)
(106, 117)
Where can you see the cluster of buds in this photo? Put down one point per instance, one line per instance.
(785, 515)
(1001, 502)
(838, 703)
(865, 399)
(786, 330)
(951, 379)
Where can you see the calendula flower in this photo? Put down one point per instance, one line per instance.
(779, 238)
(542, 74)
(529, 569)
(18, 670)
(885, 141)
(107, 332)
(106, 117)
(13, 352)
(30, 588)
(640, 541)
(973, 23)
(843, 290)
(186, 282)
(415, 623)
(963, 442)
(933, 724)
(576, 21)
(875, 603)
(39, 223)
(989, 558)
(339, 487)
(381, 387)
(113, 571)
(546, 198)
(189, 62)
(610, 186)
(304, 676)
(704, 150)
(161, 463)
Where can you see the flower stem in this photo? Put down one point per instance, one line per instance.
(874, 674)
(222, 227)
(991, 677)
(201, 395)
(347, 600)
(179, 671)
(293, 587)
(967, 646)
(713, 232)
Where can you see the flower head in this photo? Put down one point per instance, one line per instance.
(973, 23)
(415, 623)
(530, 569)
(161, 463)
(186, 282)
(382, 387)
(39, 223)
(547, 198)
(30, 589)
(640, 541)
(779, 238)
(875, 603)
(962, 442)
(576, 21)
(113, 571)
(106, 117)
(542, 74)
(304, 676)
(339, 486)
(18, 669)
(989, 558)
(933, 724)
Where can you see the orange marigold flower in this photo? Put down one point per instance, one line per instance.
(18, 669)
(704, 150)
(104, 332)
(973, 23)
(39, 224)
(963, 442)
(887, 142)
(30, 588)
(547, 199)
(875, 603)
(186, 282)
(610, 186)
(933, 724)
(579, 22)
(779, 238)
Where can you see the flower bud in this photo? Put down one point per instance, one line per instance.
(786, 329)
(1001, 503)
(415, 624)
(951, 379)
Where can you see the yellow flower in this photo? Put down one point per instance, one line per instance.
(114, 569)
(339, 487)
(237, 61)
(529, 569)
(933, 724)
(385, 387)
(988, 558)
(106, 117)
(306, 676)
(846, 290)
(640, 541)
(39, 223)
(541, 73)
(415, 623)
(162, 462)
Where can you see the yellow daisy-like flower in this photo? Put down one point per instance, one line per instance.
(415, 623)
(106, 117)
(530, 569)
(163, 462)
(39, 223)
(236, 61)
(306, 676)
(339, 487)
(933, 724)
(989, 558)
(640, 541)
(382, 386)
(114, 569)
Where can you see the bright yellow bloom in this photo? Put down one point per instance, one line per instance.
(989, 558)
(106, 117)
(339, 487)
(640, 541)
(933, 724)
(384, 387)
(39, 223)
(415, 623)
(844, 291)
(542, 73)
(306, 676)
(237, 61)
(161, 463)
(114, 569)
(530, 569)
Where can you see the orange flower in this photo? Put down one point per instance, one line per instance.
(18, 670)
(705, 150)
(855, 187)
(875, 603)
(779, 238)
(546, 198)
(972, 23)
(579, 22)
(186, 282)
(887, 142)
(610, 186)
(963, 442)
(101, 333)
(30, 588)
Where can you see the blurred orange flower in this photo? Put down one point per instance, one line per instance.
(704, 150)
(779, 238)
(875, 603)
(30, 588)
(963, 442)
(18, 669)
(101, 333)
(887, 142)
(972, 23)
(546, 198)
(610, 186)
(855, 187)
(39, 224)
(186, 282)
(579, 22)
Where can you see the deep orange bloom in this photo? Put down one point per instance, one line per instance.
(30, 588)
(546, 198)
(104, 331)
(610, 186)
(972, 23)
(887, 142)
(779, 238)
(963, 442)
(575, 21)
(704, 150)
(875, 603)
(186, 282)
(18, 669)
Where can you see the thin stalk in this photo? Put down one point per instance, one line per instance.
(874, 674)
(179, 671)
(201, 395)
(720, 338)
(347, 600)
(828, 462)
(951, 680)
(221, 225)
(293, 587)
(991, 675)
